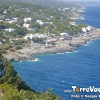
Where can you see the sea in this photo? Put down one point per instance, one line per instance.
(92, 16)
(59, 72)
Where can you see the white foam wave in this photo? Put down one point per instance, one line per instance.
(88, 43)
(72, 51)
(60, 53)
(35, 60)
(20, 61)
(68, 52)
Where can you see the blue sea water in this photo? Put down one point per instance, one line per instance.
(59, 72)
(92, 16)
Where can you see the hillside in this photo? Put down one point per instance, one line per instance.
(13, 88)
(19, 19)
(34, 27)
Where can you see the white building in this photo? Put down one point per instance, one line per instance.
(5, 12)
(10, 30)
(12, 21)
(27, 19)
(31, 36)
(88, 28)
(26, 25)
(15, 18)
(64, 34)
(7, 19)
(40, 36)
(84, 30)
(65, 9)
(4, 40)
(28, 36)
(51, 22)
(40, 22)
(0, 43)
(73, 23)
(31, 29)
(51, 16)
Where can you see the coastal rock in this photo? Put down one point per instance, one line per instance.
(66, 46)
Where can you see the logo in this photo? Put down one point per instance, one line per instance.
(80, 89)
(89, 89)
(90, 92)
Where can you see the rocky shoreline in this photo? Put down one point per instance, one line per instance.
(66, 46)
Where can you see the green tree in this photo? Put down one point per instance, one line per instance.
(1, 70)
(10, 76)
(1, 66)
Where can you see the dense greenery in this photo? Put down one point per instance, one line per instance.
(59, 18)
(9, 9)
(14, 88)
(9, 75)
(12, 93)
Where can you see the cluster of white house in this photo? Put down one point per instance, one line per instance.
(31, 36)
(47, 38)
(86, 29)
(63, 36)
(25, 20)
(40, 22)
(10, 21)
(10, 29)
